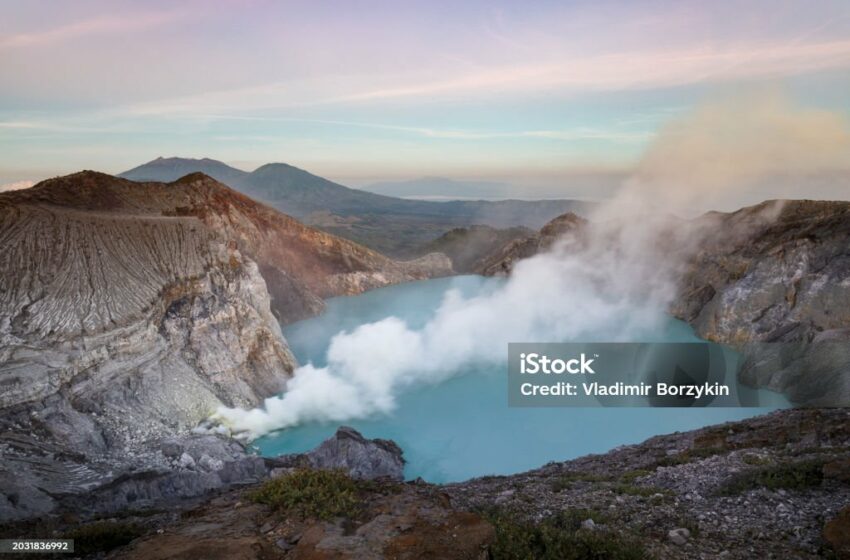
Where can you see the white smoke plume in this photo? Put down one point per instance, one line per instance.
(550, 297)
(608, 281)
(716, 155)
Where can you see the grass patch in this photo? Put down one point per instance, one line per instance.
(791, 476)
(570, 519)
(102, 536)
(755, 460)
(558, 538)
(319, 494)
(631, 476)
(643, 491)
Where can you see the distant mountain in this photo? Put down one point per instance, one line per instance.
(434, 188)
(467, 246)
(394, 226)
(170, 169)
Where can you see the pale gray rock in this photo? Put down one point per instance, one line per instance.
(679, 536)
(186, 461)
(348, 450)
(777, 273)
(129, 313)
(117, 330)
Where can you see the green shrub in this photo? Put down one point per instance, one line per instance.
(631, 476)
(570, 519)
(320, 494)
(755, 460)
(558, 538)
(632, 490)
(803, 474)
(102, 536)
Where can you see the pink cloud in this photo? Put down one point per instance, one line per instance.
(95, 26)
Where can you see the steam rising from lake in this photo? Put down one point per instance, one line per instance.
(607, 281)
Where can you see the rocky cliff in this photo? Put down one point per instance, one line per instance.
(129, 312)
(300, 265)
(778, 271)
(772, 280)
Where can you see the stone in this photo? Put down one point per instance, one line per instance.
(837, 533)
(347, 449)
(837, 470)
(678, 536)
(284, 545)
(210, 464)
(186, 461)
(170, 448)
(588, 525)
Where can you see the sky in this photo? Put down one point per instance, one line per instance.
(532, 93)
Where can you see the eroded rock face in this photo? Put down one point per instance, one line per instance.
(777, 272)
(129, 312)
(774, 272)
(348, 450)
(117, 330)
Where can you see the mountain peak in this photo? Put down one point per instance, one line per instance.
(277, 166)
(193, 177)
(167, 169)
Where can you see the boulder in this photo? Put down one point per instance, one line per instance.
(679, 536)
(348, 450)
(837, 534)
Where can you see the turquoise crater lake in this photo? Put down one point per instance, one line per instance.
(462, 427)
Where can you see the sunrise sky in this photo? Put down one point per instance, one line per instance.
(525, 92)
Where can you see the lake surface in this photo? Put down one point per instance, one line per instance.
(463, 427)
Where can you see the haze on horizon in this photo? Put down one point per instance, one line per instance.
(538, 95)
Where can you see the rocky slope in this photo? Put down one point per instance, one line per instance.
(299, 264)
(776, 486)
(773, 272)
(772, 280)
(501, 261)
(130, 312)
(777, 273)
(766, 487)
(467, 246)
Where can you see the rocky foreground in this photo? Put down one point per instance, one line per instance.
(776, 486)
